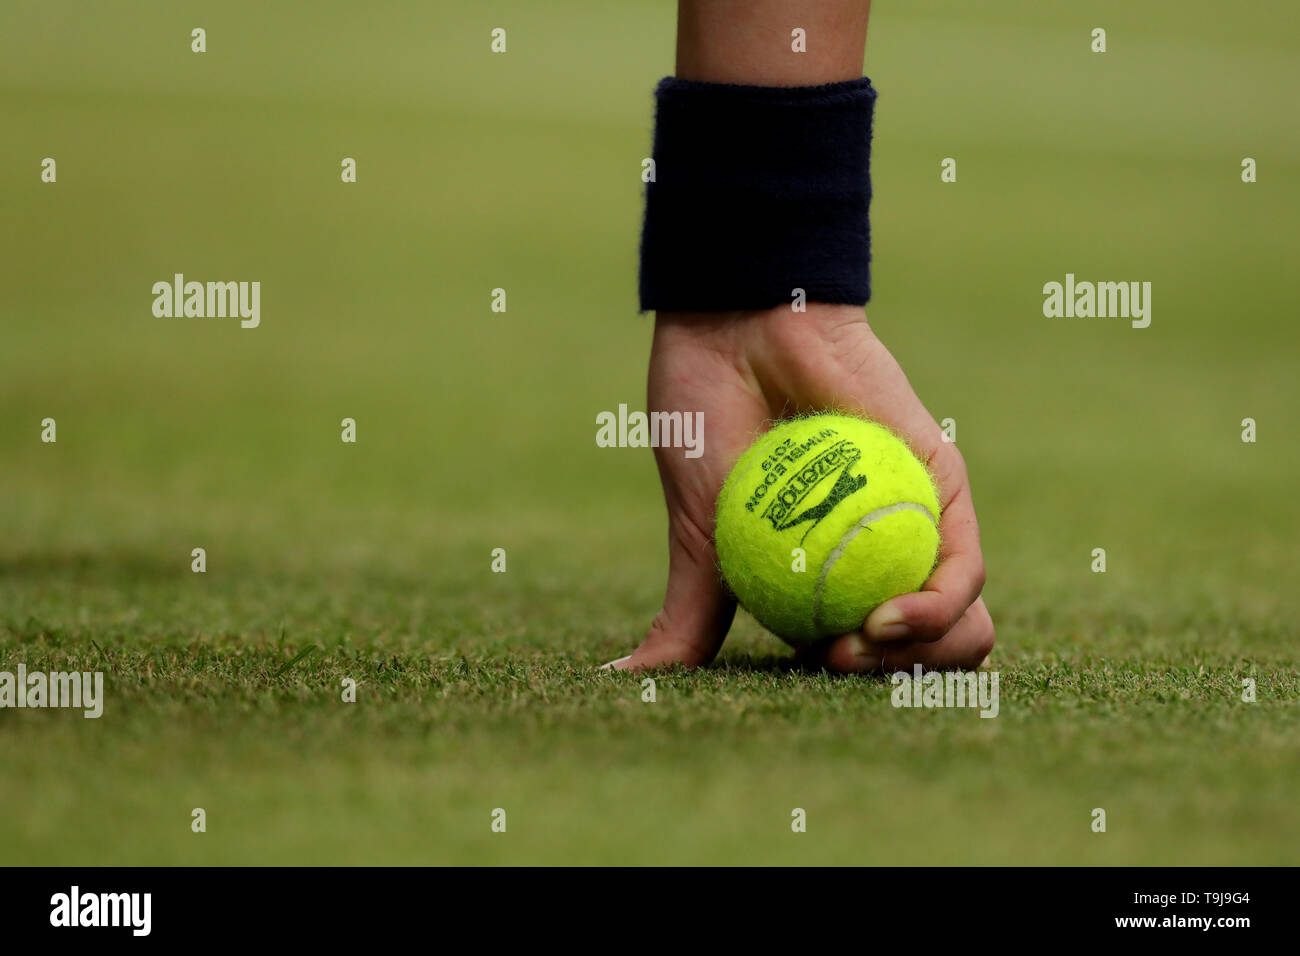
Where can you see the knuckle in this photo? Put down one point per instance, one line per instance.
(986, 634)
(951, 464)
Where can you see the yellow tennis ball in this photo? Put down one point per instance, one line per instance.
(822, 519)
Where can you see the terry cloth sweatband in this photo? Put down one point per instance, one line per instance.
(758, 191)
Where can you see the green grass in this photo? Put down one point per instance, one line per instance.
(476, 431)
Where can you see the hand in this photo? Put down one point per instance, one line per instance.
(744, 369)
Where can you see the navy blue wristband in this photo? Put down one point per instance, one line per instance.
(758, 191)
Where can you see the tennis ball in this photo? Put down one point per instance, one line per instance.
(850, 494)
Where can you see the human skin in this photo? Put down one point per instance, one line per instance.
(743, 369)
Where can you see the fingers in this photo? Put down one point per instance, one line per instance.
(965, 646)
(930, 613)
(866, 378)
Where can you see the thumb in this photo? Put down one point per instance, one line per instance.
(697, 611)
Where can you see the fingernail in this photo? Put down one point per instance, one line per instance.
(872, 654)
(886, 624)
(613, 665)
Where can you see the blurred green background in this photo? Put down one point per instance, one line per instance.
(476, 431)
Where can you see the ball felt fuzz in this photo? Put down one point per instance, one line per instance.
(856, 500)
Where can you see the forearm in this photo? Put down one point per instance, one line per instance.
(749, 41)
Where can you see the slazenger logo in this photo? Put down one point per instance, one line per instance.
(788, 509)
(103, 909)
